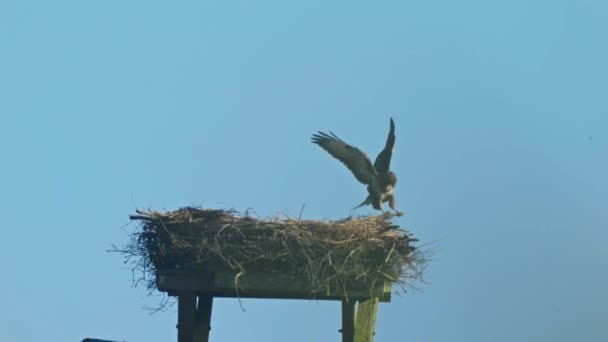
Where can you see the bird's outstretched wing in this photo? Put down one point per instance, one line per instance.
(354, 159)
(383, 161)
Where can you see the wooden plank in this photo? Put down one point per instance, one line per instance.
(365, 324)
(185, 317)
(203, 317)
(348, 321)
(261, 285)
(180, 281)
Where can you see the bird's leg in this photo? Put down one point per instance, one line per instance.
(387, 213)
(391, 203)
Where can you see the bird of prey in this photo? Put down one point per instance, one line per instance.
(379, 179)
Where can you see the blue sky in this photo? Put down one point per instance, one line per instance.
(502, 145)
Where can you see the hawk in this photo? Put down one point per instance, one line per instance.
(379, 179)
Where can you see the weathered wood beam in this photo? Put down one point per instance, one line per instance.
(203, 317)
(185, 316)
(348, 321)
(260, 285)
(365, 324)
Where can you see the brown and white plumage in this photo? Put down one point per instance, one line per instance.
(383, 160)
(379, 179)
(355, 160)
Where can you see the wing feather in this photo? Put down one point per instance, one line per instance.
(354, 159)
(383, 160)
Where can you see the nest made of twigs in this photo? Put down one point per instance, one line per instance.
(359, 250)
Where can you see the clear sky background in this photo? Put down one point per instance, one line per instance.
(502, 155)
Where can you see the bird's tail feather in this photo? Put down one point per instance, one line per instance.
(366, 202)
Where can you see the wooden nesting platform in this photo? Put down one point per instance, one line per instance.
(260, 285)
(195, 292)
(197, 254)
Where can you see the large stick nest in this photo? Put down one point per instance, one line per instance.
(354, 251)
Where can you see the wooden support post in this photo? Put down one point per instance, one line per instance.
(203, 317)
(186, 305)
(348, 321)
(365, 324)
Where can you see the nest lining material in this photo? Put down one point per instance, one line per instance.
(345, 253)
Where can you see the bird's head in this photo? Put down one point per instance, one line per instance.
(392, 178)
